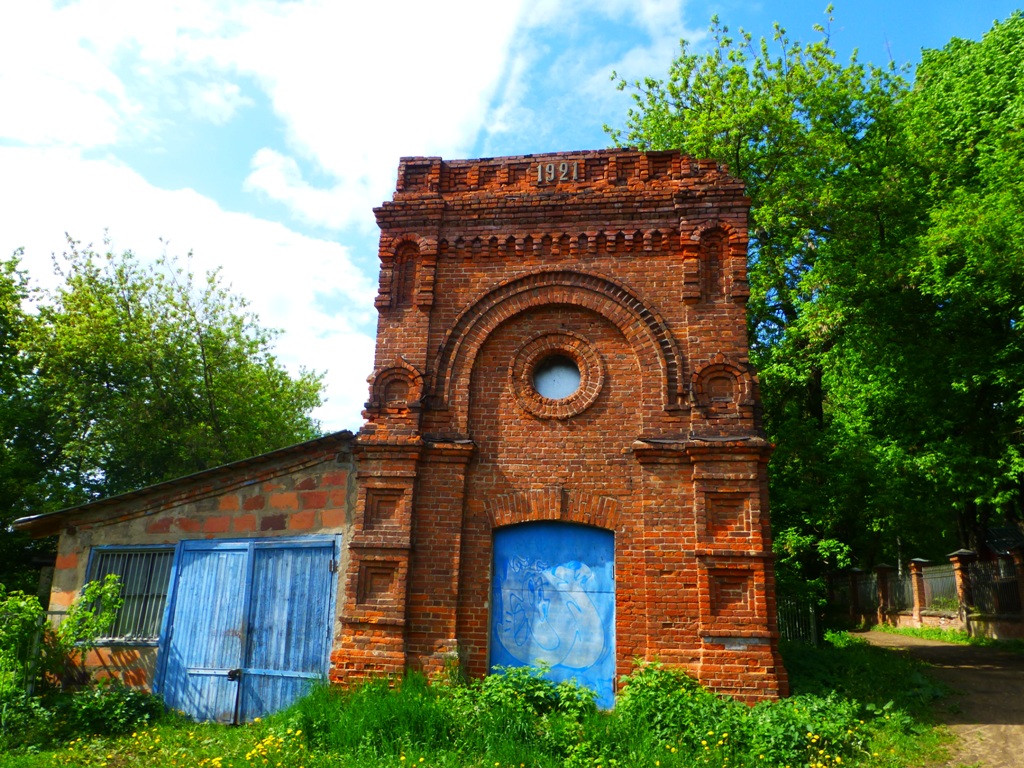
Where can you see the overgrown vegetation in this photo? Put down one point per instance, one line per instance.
(853, 704)
(886, 267)
(45, 698)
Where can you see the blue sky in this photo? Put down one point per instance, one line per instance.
(259, 135)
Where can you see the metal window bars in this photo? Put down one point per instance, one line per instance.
(145, 576)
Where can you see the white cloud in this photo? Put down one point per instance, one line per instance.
(355, 85)
(359, 85)
(54, 89)
(352, 86)
(279, 178)
(308, 286)
(215, 101)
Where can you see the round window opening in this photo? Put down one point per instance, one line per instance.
(556, 377)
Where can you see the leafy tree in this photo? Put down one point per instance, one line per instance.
(150, 375)
(21, 426)
(128, 375)
(877, 391)
(967, 122)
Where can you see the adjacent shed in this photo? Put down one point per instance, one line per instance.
(230, 577)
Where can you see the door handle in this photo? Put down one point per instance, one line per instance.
(234, 675)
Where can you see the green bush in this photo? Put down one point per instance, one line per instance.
(668, 705)
(788, 730)
(854, 669)
(108, 708)
(24, 721)
(508, 717)
(56, 714)
(21, 617)
(92, 614)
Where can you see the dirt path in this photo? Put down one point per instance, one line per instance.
(986, 711)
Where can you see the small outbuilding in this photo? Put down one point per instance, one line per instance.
(229, 577)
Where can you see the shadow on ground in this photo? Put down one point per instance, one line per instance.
(986, 710)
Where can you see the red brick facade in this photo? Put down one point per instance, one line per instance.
(633, 266)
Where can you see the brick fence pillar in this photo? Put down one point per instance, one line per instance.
(917, 583)
(961, 559)
(854, 597)
(883, 574)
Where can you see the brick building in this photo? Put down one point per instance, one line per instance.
(561, 459)
(625, 274)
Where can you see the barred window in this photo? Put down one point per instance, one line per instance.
(145, 576)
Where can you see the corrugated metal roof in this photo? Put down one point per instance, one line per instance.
(1004, 539)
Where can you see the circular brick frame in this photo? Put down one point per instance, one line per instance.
(398, 371)
(541, 347)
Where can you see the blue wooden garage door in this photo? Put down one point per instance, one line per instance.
(249, 625)
(553, 601)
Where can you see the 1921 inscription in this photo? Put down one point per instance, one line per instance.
(552, 173)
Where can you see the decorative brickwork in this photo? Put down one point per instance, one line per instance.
(629, 270)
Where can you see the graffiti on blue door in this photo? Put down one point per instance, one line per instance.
(553, 603)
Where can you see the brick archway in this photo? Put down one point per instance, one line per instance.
(640, 324)
(553, 503)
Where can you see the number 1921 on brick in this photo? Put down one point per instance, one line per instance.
(563, 171)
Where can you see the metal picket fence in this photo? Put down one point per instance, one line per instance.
(867, 591)
(939, 587)
(994, 586)
(901, 592)
(798, 621)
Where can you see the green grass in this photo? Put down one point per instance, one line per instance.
(853, 705)
(957, 636)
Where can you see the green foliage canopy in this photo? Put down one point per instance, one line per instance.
(127, 375)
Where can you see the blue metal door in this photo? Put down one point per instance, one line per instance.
(248, 625)
(553, 602)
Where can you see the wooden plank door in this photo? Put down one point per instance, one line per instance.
(290, 623)
(206, 631)
(249, 625)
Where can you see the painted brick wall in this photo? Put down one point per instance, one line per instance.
(634, 266)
